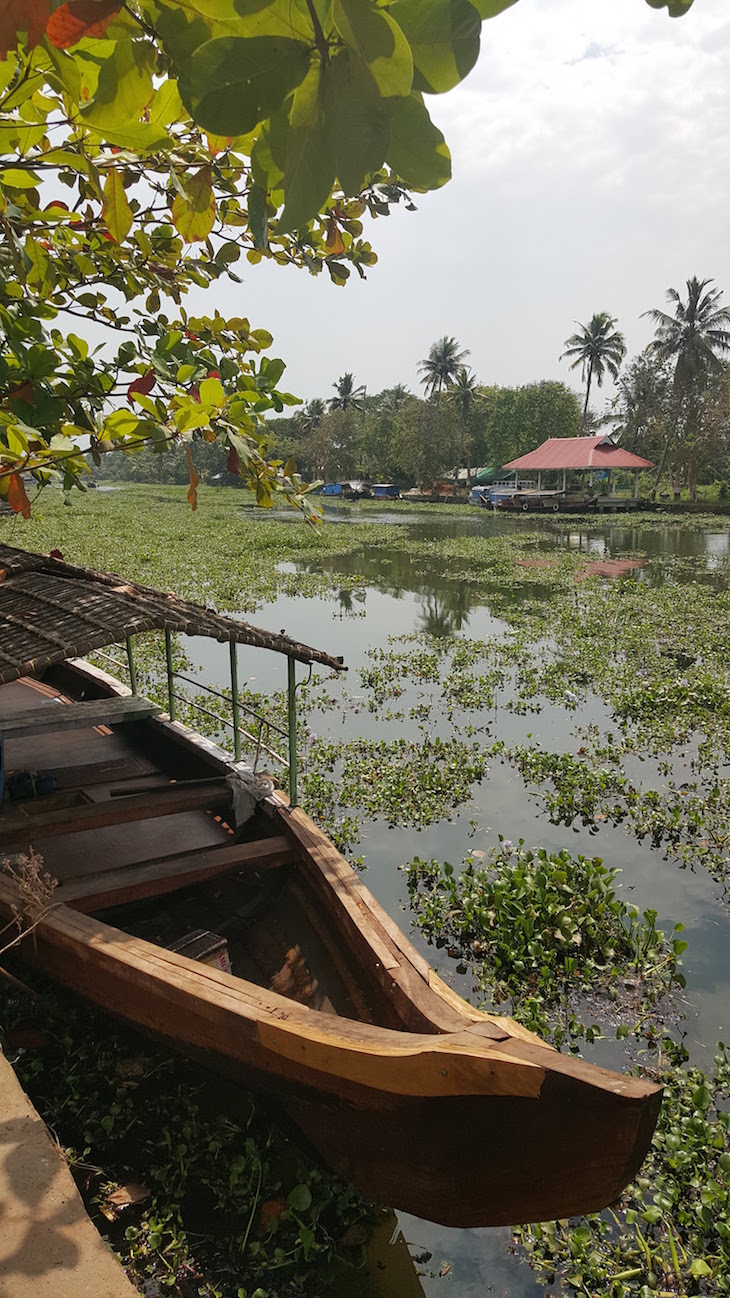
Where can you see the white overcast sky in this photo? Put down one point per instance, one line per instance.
(591, 161)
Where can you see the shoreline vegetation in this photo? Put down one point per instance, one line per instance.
(606, 701)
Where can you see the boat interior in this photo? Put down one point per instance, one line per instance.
(138, 831)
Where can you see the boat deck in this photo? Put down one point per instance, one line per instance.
(141, 872)
(93, 766)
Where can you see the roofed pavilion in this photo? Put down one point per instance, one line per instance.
(582, 454)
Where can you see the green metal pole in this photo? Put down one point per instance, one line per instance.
(131, 665)
(234, 697)
(291, 677)
(170, 675)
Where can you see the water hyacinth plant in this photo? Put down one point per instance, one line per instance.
(543, 930)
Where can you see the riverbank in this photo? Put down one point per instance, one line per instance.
(48, 1246)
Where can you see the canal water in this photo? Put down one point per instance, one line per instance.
(401, 593)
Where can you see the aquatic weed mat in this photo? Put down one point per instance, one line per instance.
(198, 1186)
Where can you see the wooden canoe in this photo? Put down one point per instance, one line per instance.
(425, 1103)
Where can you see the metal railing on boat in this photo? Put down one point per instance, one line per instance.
(237, 707)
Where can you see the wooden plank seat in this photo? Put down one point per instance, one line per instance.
(31, 824)
(167, 874)
(76, 716)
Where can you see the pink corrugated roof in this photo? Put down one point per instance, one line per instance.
(579, 453)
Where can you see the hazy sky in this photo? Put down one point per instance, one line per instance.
(591, 157)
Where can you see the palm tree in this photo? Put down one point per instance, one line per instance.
(462, 393)
(441, 366)
(392, 399)
(348, 397)
(598, 348)
(695, 339)
(312, 415)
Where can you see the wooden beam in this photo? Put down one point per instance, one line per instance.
(76, 716)
(22, 828)
(166, 874)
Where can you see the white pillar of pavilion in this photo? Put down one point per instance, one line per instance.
(564, 478)
(636, 484)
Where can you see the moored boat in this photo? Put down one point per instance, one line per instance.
(304, 986)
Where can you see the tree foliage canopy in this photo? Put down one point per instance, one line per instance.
(145, 147)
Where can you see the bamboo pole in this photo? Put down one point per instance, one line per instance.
(132, 665)
(234, 697)
(292, 711)
(170, 675)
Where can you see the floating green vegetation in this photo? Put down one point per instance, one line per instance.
(689, 821)
(542, 931)
(670, 1233)
(197, 1187)
(406, 783)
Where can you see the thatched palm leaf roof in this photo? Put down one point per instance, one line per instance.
(51, 610)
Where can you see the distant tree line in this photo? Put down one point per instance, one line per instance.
(672, 406)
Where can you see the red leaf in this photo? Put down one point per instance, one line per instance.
(80, 18)
(30, 17)
(143, 384)
(23, 392)
(55, 554)
(17, 498)
(271, 1213)
(232, 463)
(213, 374)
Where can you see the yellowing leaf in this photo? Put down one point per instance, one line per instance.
(334, 242)
(194, 481)
(117, 214)
(211, 392)
(194, 214)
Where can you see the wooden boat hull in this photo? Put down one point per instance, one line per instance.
(422, 1101)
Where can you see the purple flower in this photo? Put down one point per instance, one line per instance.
(507, 844)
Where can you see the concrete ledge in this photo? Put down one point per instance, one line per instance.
(48, 1246)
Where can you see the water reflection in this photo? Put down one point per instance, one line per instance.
(410, 592)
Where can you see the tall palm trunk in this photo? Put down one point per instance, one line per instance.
(588, 396)
(660, 470)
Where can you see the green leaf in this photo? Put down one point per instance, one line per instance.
(417, 152)
(308, 163)
(267, 173)
(193, 211)
(378, 41)
(117, 214)
(700, 1268)
(40, 270)
(139, 137)
(258, 216)
(300, 1198)
(124, 85)
(444, 38)
(490, 8)
(18, 178)
(357, 121)
(231, 84)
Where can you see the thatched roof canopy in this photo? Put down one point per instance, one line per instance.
(51, 610)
